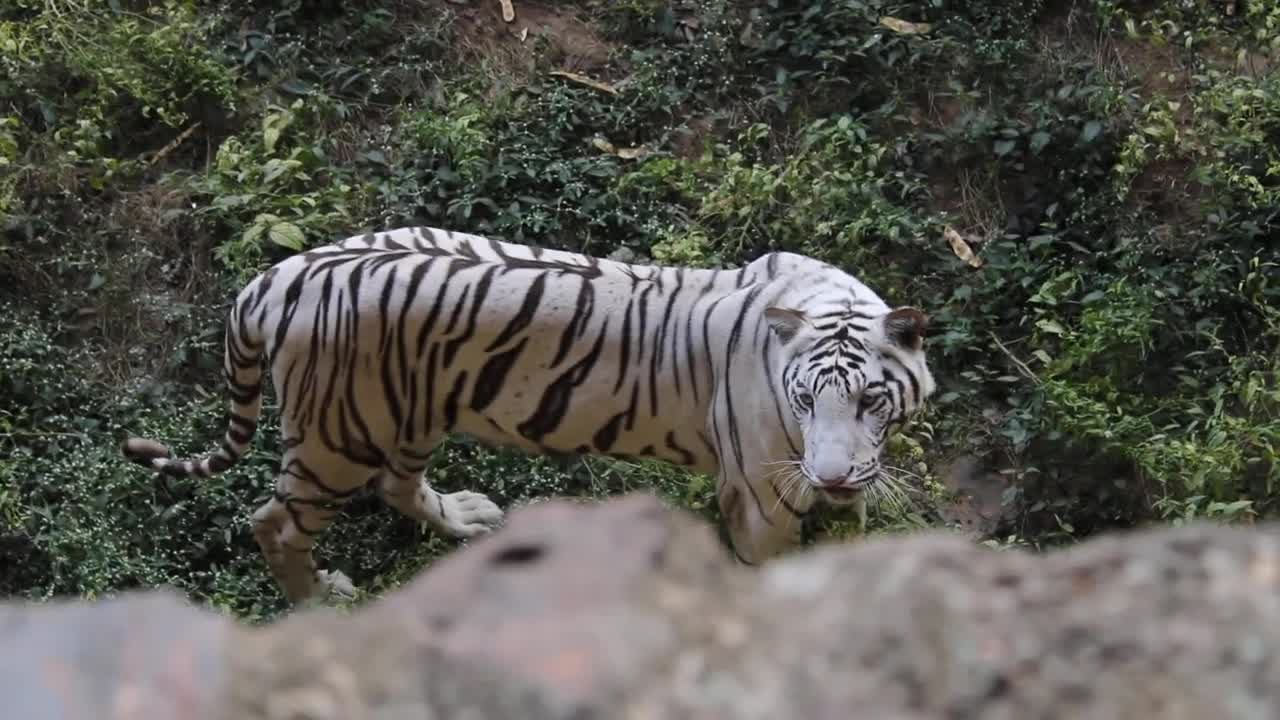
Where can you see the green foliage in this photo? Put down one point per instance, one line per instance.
(273, 191)
(93, 76)
(1113, 168)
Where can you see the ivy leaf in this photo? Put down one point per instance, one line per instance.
(230, 201)
(1050, 326)
(252, 233)
(1091, 130)
(286, 234)
(295, 87)
(1004, 147)
(1039, 140)
(1038, 241)
(270, 136)
(275, 168)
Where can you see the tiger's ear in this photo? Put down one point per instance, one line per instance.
(785, 322)
(905, 327)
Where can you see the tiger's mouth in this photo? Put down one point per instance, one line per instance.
(845, 494)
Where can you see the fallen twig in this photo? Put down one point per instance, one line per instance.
(173, 144)
(584, 80)
(1022, 367)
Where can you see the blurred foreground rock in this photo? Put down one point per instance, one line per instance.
(629, 610)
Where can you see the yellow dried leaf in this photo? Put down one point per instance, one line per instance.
(961, 248)
(905, 27)
(634, 153)
(631, 153)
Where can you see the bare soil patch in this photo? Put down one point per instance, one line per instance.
(485, 36)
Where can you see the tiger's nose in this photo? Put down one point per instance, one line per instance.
(833, 480)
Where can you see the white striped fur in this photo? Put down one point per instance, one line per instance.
(782, 378)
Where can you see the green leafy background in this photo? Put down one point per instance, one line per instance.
(1114, 167)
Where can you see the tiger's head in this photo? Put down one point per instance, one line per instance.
(851, 380)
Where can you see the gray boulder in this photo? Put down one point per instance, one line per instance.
(627, 609)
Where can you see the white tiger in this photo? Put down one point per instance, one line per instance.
(783, 379)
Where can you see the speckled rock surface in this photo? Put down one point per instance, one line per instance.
(629, 610)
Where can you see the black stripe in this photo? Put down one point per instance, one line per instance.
(451, 402)
(408, 379)
(298, 469)
(660, 349)
(624, 355)
(492, 376)
(524, 315)
(555, 399)
(735, 336)
(759, 506)
(457, 310)
(581, 315)
(390, 392)
(482, 291)
(686, 457)
(773, 392)
(429, 404)
(606, 436)
(371, 455)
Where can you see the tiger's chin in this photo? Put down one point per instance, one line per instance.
(846, 495)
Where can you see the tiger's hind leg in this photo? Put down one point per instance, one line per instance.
(308, 496)
(462, 514)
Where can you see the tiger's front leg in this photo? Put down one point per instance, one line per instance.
(463, 514)
(759, 525)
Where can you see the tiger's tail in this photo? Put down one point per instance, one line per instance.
(242, 369)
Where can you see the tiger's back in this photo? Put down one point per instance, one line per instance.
(414, 333)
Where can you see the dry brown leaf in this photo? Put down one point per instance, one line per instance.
(524, 34)
(905, 27)
(632, 153)
(508, 12)
(961, 248)
(584, 80)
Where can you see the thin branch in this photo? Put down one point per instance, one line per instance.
(1022, 367)
(173, 144)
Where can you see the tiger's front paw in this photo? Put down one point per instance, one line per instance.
(335, 586)
(468, 514)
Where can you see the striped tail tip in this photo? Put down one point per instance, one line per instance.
(144, 451)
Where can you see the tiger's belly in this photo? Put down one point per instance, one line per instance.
(591, 433)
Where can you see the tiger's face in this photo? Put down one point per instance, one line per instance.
(851, 380)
